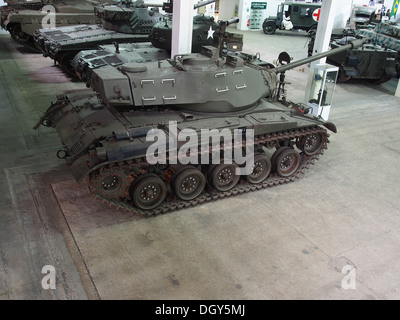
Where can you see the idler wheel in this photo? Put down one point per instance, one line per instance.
(287, 162)
(188, 183)
(111, 184)
(260, 170)
(224, 177)
(148, 191)
(311, 143)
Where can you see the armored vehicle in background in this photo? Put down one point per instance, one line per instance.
(205, 32)
(370, 62)
(127, 22)
(385, 35)
(134, 138)
(22, 18)
(364, 16)
(304, 16)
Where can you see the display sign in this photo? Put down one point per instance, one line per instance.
(258, 5)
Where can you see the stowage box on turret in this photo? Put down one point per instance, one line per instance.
(163, 135)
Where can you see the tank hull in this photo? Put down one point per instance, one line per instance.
(98, 142)
(386, 35)
(371, 61)
(124, 23)
(22, 20)
(63, 44)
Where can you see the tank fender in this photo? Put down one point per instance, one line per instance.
(269, 19)
(330, 126)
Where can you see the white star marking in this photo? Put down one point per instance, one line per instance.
(210, 33)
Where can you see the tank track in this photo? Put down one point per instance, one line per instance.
(172, 204)
(26, 43)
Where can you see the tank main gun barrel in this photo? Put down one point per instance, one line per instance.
(204, 3)
(352, 45)
(231, 21)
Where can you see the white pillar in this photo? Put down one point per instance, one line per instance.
(325, 26)
(243, 14)
(182, 27)
(322, 41)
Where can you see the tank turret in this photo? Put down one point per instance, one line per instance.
(131, 17)
(23, 18)
(219, 82)
(116, 54)
(161, 34)
(159, 136)
(206, 31)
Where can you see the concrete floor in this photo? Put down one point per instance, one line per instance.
(286, 242)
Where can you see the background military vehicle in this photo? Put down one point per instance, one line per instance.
(385, 35)
(107, 132)
(22, 18)
(370, 62)
(364, 16)
(205, 31)
(302, 16)
(125, 22)
(161, 35)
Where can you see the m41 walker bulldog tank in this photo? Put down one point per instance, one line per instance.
(110, 134)
(22, 18)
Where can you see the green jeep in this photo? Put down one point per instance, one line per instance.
(304, 16)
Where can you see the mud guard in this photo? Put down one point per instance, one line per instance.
(330, 126)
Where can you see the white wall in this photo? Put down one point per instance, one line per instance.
(245, 11)
(227, 9)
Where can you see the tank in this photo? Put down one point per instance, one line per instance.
(126, 22)
(158, 136)
(205, 32)
(371, 62)
(385, 35)
(161, 35)
(364, 16)
(22, 18)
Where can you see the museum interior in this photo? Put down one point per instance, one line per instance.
(199, 150)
